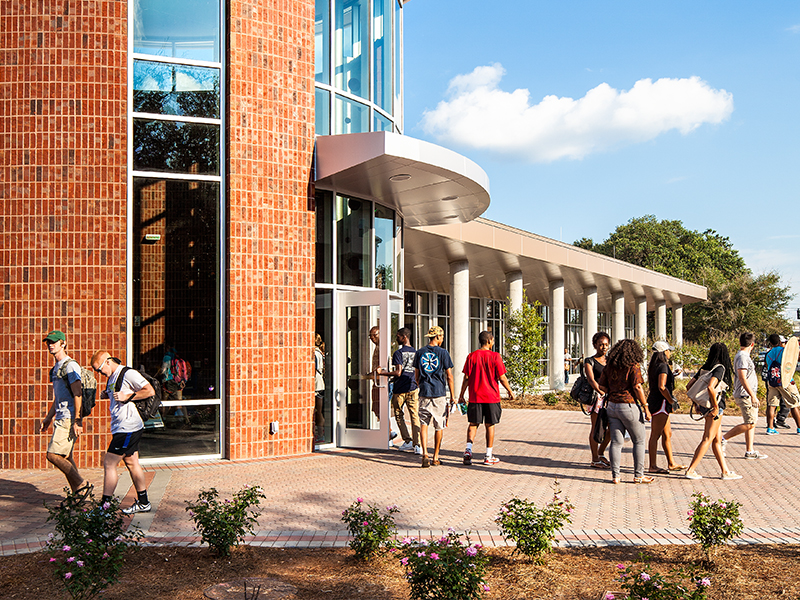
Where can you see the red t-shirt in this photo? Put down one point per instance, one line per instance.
(484, 368)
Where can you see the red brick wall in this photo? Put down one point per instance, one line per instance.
(271, 227)
(62, 207)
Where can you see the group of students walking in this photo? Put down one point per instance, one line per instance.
(619, 400)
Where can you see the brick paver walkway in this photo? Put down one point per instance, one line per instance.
(305, 496)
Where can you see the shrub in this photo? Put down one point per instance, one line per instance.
(89, 544)
(534, 529)
(713, 523)
(222, 525)
(640, 582)
(444, 569)
(370, 529)
(550, 399)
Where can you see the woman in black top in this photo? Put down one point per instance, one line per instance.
(592, 368)
(659, 401)
(719, 363)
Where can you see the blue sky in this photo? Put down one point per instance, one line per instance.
(684, 110)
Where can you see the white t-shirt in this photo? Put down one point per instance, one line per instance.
(124, 415)
(64, 400)
(742, 360)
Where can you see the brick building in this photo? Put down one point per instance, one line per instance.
(230, 179)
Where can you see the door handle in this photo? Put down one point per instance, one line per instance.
(376, 380)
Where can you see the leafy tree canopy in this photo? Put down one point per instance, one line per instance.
(737, 300)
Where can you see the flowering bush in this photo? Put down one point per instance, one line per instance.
(444, 569)
(713, 523)
(534, 529)
(222, 525)
(89, 544)
(370, 529)
(640, 582)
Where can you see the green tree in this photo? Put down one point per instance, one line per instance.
(524, 348)
(737, 300)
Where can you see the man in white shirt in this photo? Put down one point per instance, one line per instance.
(745, 387)
(126, 426)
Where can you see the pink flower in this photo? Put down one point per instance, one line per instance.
(406, 541)
(486, 588)
(434, 556)
(365, 523)
(79, 563)
(471, 551)
(67, 575)
(420, 554)
(404, 561)
(106, 505)
(344, 512)
(52, 560)
(620, 566)
(645, 577)
(728, 521)
(359, 500)
(690, 512)
(705, 582)
(66, 548)
(71, 559)
(610, 596)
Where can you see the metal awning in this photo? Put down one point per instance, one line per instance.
(425, 183)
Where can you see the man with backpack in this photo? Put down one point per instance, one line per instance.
(775, 390)
(124, 386)
(66, 409)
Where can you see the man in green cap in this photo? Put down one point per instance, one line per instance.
(66, 409)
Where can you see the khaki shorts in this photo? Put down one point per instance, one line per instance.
(790, 396)
(63, 439)
(749, 412)
(433, 410)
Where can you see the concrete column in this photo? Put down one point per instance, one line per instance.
(661, 320)
(618, 318)
(555, 350)
(514, 290)
(677, 325)
(459, 320)
(589, 319)
(641, 320)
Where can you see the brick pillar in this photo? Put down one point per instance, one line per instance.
(63, 198)
(270, 218)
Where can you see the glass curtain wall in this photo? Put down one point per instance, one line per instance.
(176, 158)
(357, 66)
(573, 336)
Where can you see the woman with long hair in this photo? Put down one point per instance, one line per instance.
(719, 364)
(659, 400)
(621, 381)
(592, 369)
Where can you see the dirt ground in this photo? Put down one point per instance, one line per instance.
(738, 572)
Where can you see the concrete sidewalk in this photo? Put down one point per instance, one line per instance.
(305, 496)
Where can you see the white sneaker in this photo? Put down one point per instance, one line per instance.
(755, 455)
(730, 475)
(418, 450)
(137, 508)
(406, 446)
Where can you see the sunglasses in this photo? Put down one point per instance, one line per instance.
(99, 369)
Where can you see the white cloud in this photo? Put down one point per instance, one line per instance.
(479, 114)
(793, 29)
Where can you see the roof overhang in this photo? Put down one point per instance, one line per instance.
(425, 183)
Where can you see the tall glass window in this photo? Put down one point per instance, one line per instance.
(385, 268)
(324, 245)
(322, 41)
(574, 336)
(443, 316)
(418, 316)
(181, 29)
(630, 327)
(176, 197)
(351, 35)
(382, 53)
(353, 240)
(350, 116)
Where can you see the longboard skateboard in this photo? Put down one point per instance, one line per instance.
(789, 361)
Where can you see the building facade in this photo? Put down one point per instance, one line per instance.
(230, 180)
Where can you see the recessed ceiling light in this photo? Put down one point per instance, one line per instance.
(419, 266)
(479, 276)
(449, 198)
(451, 217)
(400, 177)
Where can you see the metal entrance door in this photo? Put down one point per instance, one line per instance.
(362, 399)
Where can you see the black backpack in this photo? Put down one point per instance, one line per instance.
(88, 386)
(147, 407)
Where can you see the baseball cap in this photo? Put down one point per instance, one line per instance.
(783, 339)
(662, 346)
(435, 331)
(54, 336)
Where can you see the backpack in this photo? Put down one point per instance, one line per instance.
(774, 374)
(147, 407)
(88, 386)
(181, 371)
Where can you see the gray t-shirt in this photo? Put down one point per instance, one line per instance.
(742, 360)
(64, 400)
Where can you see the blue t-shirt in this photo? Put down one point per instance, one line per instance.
(405, 381)
(432, 362)
(775, 355)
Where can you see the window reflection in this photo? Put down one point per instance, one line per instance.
(322, 41)
(350, 116)
(382, 53)
(322, 112)
(178, 28)
(324, 245)
(166, 89)
(176, 147)
(384, 248)
(350, 58)
(353, 237)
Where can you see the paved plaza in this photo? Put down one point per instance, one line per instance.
(305, 496)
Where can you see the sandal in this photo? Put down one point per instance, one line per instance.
(677, 467)
(644, 479)
(659, 471)
(436, 462)
(426, 462)
(599, 464)
(604, 460)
